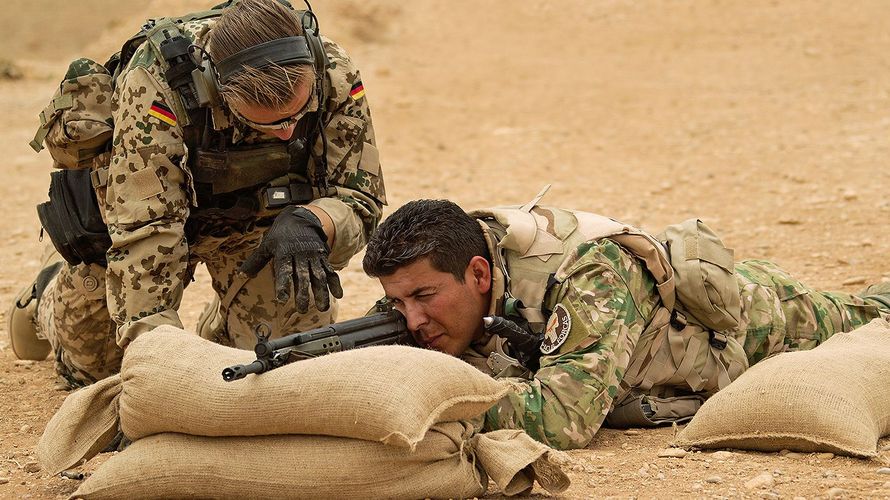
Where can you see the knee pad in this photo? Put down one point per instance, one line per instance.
(22, 318)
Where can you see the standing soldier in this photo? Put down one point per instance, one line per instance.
(591, 317)
(241, 139)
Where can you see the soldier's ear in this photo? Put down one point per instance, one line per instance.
(479, 270)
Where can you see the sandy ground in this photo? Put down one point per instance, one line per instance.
(767, 119)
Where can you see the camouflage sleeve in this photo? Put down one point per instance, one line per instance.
(353, 162)
(146, 204)
(600, 307)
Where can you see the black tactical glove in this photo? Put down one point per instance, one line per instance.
(297, 246)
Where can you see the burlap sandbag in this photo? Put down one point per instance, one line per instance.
(393, 394)
(448, 463)
(834, 398)
(84, 425)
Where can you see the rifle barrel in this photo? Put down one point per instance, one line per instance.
(382, 328)
(237, 372)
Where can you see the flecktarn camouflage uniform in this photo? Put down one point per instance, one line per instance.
(605, 311)
(90, 313)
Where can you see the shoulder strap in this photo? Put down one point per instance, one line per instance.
(157, 25)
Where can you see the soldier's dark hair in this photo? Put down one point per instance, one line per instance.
(437, 229)
(249, 23)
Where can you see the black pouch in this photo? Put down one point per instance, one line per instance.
(72, 218)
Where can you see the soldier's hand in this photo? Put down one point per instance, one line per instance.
(297, 246)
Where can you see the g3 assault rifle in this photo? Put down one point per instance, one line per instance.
(386, 327)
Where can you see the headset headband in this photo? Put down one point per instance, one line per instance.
(290, 50)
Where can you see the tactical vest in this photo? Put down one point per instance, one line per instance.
(230, 186)
(674, 366)
(235, 184)
(533, 243)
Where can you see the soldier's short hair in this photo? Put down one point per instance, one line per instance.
(437, 229)
(249, 23)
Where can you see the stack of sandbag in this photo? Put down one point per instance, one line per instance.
(834, 398)
(387, 421)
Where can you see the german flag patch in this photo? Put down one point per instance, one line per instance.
(160, 111)
(358, 91)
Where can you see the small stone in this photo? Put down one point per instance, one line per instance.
(4, 480)
(578, 468)
(643, 472)
(61, 386)
(884, 470)
(825, 456)
(25, 429)
(632, 432)
(829, 474)
(858, 280)
(835, 493)
(763, 480)
(672, 453)
(789, 222)
(714, 480)
(72, 474)
(697, 487)
(31, 467)
(794, 454)
(850, 195)
(23, 362)
(887, 485)
(783, 453)
(660, 476)
(721, 455)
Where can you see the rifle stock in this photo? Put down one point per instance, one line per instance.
(383, 328)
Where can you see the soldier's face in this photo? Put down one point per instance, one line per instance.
(278, 122)
(442, 313)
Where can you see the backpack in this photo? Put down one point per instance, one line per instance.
(704, 274)
(76, 126)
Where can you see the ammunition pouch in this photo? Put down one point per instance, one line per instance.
(236, 185)
(72, 218)
(237, 168)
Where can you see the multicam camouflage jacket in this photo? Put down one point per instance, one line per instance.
(599, 292)
(148, 191)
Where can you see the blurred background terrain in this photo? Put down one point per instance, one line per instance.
(769, 120)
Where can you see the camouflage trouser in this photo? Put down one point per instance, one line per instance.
(779, 313)
(73, 314)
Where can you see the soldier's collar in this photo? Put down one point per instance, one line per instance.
(498, 271)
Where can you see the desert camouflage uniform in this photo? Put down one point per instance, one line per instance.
(148, 199)
(612, 302)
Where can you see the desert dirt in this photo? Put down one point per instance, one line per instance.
(768, 119)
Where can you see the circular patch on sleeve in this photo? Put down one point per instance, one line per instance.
(559, 324)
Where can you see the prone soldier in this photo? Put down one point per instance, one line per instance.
(623, 335)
